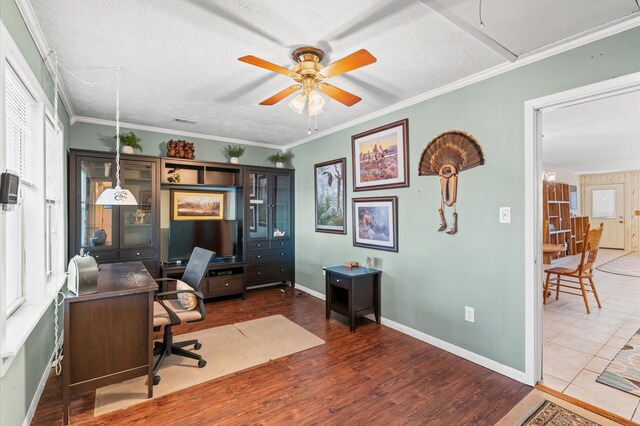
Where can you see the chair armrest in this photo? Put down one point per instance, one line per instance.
(169, 293)
(163, 282)
(172, 315)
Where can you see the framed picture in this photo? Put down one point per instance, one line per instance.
(330, 192)
(197, 205)
(253, 219)
(380, 157)
(375, 223)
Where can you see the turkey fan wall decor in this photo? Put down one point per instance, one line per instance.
(447, 155)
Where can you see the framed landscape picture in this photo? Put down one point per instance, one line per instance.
(380, 157)
(197, 205)
(330, 196)
(375, 223)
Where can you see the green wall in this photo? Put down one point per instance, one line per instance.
(427, 284)
(20, 383)
(100, 138)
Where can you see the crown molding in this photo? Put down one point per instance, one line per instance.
(615, 27)
(29, 16)
(175, 132)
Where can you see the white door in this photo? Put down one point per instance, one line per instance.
(605, 204)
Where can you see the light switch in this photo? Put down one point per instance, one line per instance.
(505, 214)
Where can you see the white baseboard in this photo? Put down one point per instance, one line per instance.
(43, 381)
(311, 292)
(449, 347)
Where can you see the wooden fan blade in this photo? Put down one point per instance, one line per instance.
(281, 95)
(349, 63)
(252, 60)
(338, 94)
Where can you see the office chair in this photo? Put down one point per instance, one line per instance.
(168, 310)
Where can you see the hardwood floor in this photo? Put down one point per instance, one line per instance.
(375, 375)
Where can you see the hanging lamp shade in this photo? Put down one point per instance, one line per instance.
(116, 197)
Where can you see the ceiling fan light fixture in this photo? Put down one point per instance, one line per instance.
(297, 103)
(316, 103)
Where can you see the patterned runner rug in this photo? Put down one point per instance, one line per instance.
(624, 371)
(550, 413)
(628, 265)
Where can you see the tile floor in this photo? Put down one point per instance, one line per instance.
(578, 347)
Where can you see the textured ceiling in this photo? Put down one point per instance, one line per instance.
(594, 137)
(179, 58)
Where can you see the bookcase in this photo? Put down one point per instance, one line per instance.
(563, 229)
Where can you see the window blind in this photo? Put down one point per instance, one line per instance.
(20, 122)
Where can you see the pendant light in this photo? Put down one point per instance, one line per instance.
(117, 196)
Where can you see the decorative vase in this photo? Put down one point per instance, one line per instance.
(234, 160)
(127, 149)
(279, 165)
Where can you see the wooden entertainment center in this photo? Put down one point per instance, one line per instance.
(263, 209)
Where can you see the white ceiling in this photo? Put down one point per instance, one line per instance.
(594, 137)
(179, 58)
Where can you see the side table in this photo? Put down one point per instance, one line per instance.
(353, 292)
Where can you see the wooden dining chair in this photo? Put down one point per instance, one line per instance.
(582, 273)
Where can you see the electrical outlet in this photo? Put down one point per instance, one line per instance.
(469, 314)
(505, 214)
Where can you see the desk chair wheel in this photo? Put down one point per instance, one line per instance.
(202, 363)
(197, 346)
(156, 380)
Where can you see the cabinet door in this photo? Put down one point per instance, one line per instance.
(96, 228)
(258, 205)
(138, 223)
(281, 207)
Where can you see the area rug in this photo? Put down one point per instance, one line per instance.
(549, 413)
(227, 349)
(628, 265)
(624, 371)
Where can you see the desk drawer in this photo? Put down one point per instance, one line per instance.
(339, 280)
(218, 286)
(104, 256)
(137, 254)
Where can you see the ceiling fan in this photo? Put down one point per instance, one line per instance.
(309, 75)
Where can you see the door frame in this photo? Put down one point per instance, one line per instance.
(533, 202)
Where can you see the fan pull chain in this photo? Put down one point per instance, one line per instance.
(480, 14)
(309, 124)
(316, 124)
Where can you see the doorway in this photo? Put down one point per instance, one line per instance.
(605, 207)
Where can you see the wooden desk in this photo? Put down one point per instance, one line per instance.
(353, 292)
(108, 335)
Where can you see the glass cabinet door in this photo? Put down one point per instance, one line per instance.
(96, 222)
(258, 216)
(281, 217)
(138, 222)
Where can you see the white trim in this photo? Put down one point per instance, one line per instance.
(470, 29)
(313, 293)
(30, 19)
(43, 381)
(607, 30)
(434, 341)
(154, 129)
(532, 221)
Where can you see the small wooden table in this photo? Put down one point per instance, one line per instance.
(108, 335)
(353, 292)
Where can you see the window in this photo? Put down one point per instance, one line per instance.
(54, 221)
(603, 204)
(21, 117)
